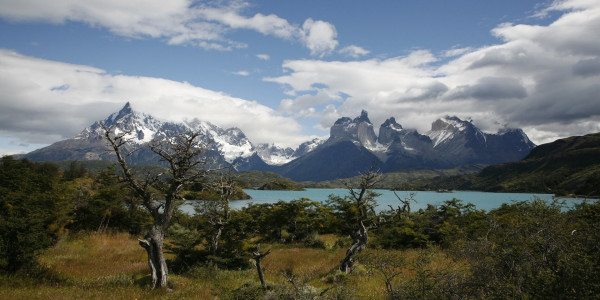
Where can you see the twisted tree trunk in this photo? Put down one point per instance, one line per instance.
(153, 244)
(258, 256)
(360, 242)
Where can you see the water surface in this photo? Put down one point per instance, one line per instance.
(482, 200)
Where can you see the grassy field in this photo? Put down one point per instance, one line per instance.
(100, 266)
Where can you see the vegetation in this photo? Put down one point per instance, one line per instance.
(74, 235)
(568, 166)
(281, 184)
(200, 192)
(410, 179)
(34, 210)
(158, 194)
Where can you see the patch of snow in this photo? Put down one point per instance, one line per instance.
(407, 147)
(439, 136)
(278, 160)
(396, 127)
(376, 147)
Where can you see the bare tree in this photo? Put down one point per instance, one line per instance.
(388, 264)
(257, 256)
(406, 201)
(160, 194)
(362, 198)
(219, 215)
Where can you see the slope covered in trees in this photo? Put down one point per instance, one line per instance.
(565, 166)
(569, 166)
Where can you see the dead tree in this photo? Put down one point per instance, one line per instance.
(225, 188)
(388, 264)
(257, 256)
(160, 194)
(405, 209)
(361, 198)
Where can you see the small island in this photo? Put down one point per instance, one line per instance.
(209, 194)
(281, 184)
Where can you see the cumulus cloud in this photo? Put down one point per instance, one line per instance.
(202, 24)
(543, 78)
(354, 51)
(43, 101)
(320, 37)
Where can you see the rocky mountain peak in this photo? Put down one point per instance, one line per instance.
(125, 111)
(389, 131)
(450, 123)
(343, 121)
(358, 130)
(391, 123)
(364, 117)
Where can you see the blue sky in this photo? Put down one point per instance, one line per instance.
(304, 78)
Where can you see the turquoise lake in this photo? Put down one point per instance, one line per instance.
(482, 200)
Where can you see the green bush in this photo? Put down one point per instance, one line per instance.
(34, 210)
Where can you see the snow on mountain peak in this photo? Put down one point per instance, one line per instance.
(273, 154)
(445, 128)
(139, 128)
(231, 142)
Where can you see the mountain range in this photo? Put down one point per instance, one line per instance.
(352, 147)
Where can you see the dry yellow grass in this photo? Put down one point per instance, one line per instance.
(96, 255)
(99, 266)
(302, 260)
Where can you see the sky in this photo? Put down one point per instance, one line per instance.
(284, 71)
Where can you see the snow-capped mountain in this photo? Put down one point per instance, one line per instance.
(462, 142)
(358, 130)
(224, 145)
(230, 142)
(140, 129)
(273, 154)
(352, 147)
(308, 146)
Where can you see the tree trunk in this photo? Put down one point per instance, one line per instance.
(153, 244)
(258, 256)
(261, 276)
(215, 238)
(360, 242)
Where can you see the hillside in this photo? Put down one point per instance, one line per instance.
(563, 167)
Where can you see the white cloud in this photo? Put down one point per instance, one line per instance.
(319, 36)
(242, 73)
(265, 24)
(354, 51)
(306, 104)
(202, 24)
(456, 51)
(542, 78)
(263, 56)
(43, 101)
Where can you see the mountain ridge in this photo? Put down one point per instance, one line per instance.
(351, 148)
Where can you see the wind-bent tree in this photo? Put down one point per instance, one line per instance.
(161, 194)
(363, 203)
